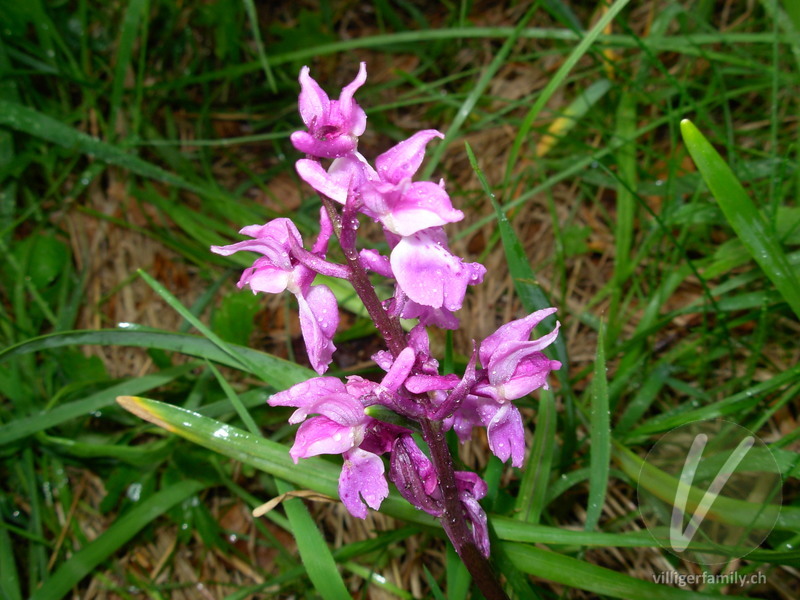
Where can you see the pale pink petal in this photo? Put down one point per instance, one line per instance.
(307, 392)
(399, 370)
(362, 477)
(320, 435)
(420, 206)
(422, 266)
(354, 116)
(403, 160)
(264, 277)
(530, 374)
(515, 331)
(341, 408)
(319, 317)
(314, 175)
(506, 435)
(313, 102)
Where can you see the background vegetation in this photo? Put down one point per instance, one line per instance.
(134, 134)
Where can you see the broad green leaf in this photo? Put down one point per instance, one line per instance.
(271, 457)
(322, 476)
(758, 236)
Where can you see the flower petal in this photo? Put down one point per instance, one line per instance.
(313, 102)
(403, 160)
(362, 477)
(353, 115)
(515, 331)
(320, 435)
(506, 435)
(319, 318)
(421, 205)
(307, 392)
(429, 274)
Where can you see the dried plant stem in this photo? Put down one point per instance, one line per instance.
(453, 520)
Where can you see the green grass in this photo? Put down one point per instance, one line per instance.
(134, 135)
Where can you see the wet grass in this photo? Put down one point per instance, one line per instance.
(134, 135)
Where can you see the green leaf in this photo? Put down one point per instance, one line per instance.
(533, 487)
(25, 426)
(314, 551)
(585, 576)
(725, 510)
(279, 373)
(600, 435)
(40, 125)
(122, 531)
(757, 235)
(263, 454)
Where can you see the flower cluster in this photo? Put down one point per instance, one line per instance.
(430, 283)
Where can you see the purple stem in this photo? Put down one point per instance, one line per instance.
(453, 520)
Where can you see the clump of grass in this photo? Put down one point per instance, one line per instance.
(135, 135)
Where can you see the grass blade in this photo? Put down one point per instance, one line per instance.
(599, 580)
(757, 235)
(314, 551)
(282, 373)
(123, 530)
(23, 427)
(599, 462)
(533, 487)
(477, 91)
(556, 81)
(271, 457)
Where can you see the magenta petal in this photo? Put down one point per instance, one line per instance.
(515, 331)
(319, 317)
(403, 160)
(362, 477)
(307, 392)
(399, 370)
(341, 408)
(313, 102)
(420, 384)
(422, 267)
(355, 117)
(506, 435)
(470, 482)
(374, 261)
(466, 418)
(477, 518)
(530, 374)
(422, 205)
(314, 175)
(335, 147)
(264, 277)
(320, 435)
